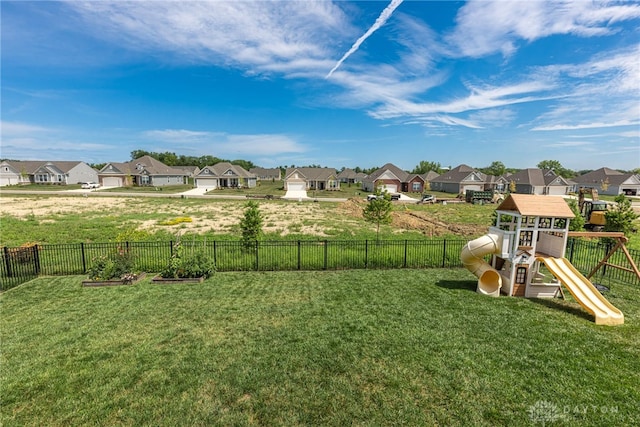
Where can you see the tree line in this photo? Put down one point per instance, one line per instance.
(496, 168)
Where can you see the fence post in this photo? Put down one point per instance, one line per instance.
(7, 261)
(325, 254)
(571, 242)
(84, 258)
(171, 247)
(215, 254)
(366, 253)
(405, 253)
(299, 255)
(36, 259)
(257, 257)
(444, 252)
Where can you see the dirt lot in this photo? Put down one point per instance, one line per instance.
(283, 218)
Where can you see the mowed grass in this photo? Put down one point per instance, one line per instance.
(396, 347)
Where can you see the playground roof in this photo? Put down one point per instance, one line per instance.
(535, 205)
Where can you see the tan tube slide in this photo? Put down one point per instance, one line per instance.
(489, 280)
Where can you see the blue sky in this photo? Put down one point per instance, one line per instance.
(329, 83)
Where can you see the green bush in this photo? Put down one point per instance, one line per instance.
(182, 264)
(114, 266)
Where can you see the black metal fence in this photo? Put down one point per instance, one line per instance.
(25, 263)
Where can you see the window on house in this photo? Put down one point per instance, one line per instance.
(415, 186)
(521, 275)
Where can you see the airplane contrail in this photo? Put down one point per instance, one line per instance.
(386, 13)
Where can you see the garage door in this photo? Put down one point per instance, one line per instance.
(7, 181)
(112, 181)
(390, 188)
(206, 183)
(557, 191)
(296, 186)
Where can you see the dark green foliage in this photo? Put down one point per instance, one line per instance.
(251, 224)
(114, 266)
(621, 217)
(577, 223)
(188, 263)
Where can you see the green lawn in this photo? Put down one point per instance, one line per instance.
(373, 347)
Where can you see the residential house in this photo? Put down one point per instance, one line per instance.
(349, 176)
(610, 181)
(224, 175)
(541, 182)
(58, 172)
(460, 179)
(267, 174)
(392, 179)
(305, 179)
(428, 177)
(13, 173)
(144, 171)
(191, 171)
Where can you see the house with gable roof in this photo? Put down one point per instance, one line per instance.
(610, 181)
(541, 182)
(304, 179)
(392, 179)
(144, 171)
(349, 176)
(59, 172)
(225, 175)
(267, 174)
(460, 179)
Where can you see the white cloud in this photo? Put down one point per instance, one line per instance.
(228, 145)
(10, 129)
(485, 27)
(255, 36)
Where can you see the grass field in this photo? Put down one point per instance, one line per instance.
(408, 347)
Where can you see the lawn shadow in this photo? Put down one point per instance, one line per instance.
(458, 284)
(557, 304)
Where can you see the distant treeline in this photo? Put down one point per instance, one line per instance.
(496, 168)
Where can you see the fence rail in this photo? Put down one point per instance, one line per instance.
(22, 264)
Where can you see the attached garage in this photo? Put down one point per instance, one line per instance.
(296, 186)
(390, 188)
(112, 181)
(209, 183)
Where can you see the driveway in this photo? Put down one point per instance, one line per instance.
(195, 192)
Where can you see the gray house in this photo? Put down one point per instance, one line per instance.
(144, 171)
(610, 181)
(541, 182)
(459, 179)
(302, 179)
(45, 172)
(224, 175)
(267, 174)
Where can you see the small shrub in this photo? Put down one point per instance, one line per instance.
(194, 264)
(114, 266)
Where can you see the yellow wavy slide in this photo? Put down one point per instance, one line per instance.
(583, 291)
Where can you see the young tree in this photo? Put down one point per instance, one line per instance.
(621, 217)
(577, 223)
(378, 210)
(251, 225)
